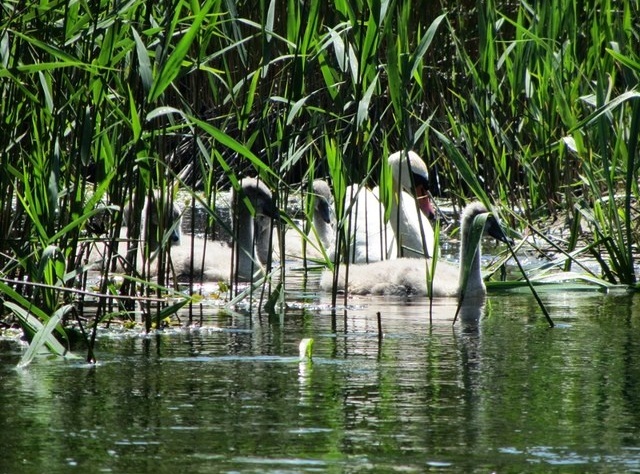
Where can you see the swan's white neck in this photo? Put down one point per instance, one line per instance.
(397, 216)
(411, 238)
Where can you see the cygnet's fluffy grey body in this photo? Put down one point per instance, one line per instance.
(204, 260)
(318, 242)
(408, 276)
(196, 258)
(165, 216)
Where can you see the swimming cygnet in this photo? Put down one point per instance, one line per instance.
(161, 223)
(408, 276)
(320, 238)
(323, 234)
(204, 260)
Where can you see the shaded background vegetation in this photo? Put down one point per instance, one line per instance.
(530, 104)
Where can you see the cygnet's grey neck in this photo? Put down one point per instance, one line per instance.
(474, 282)
(247, 263)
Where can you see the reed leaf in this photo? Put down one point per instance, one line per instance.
(44, 335)
(40, 334)
(170, 69)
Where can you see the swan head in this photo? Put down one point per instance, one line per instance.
(410, 173)
(260, 198)
(492, 226)
(322, 201)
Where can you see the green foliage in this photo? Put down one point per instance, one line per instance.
(544, 116)
(532, 105)
(305, 349)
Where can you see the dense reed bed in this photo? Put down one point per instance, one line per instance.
(534, 106)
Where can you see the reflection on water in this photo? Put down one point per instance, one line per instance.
(499, 391)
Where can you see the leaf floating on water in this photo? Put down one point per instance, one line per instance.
(306, 349)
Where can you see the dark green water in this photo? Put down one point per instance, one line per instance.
(505, 394)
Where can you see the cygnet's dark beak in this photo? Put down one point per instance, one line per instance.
(272, 212)
(324, 210)
(494, 229)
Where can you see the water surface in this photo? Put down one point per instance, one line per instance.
(499, 391)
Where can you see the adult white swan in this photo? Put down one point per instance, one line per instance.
(407, 232)
(408, 276)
